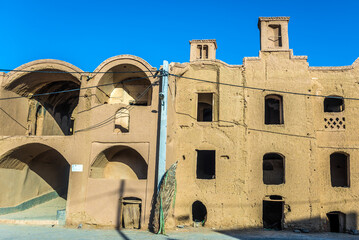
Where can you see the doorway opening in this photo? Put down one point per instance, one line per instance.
(336, 221)
(131, 213)
(273, 214)
(199, 212)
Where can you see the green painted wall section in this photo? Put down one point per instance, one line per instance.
(30, 203)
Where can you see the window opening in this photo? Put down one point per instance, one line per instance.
(206, 164)
(336, 221)
(205, 107)
(122, 120)
(205, 51)
(333, 104)
(273, 214)
(273, 109)
(199, 51)
(72, 125)
(276, 33)
(39, 121)
(273, 169)
(275, 197)
(199, 212)
(339, 170)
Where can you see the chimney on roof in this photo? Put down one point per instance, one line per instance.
(203, 49)
(273, 33)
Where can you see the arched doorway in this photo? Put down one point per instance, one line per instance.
(199, 212)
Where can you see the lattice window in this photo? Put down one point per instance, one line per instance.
(334, 123)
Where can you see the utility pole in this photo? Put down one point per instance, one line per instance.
(163, 125)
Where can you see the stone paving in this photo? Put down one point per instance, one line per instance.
(27, 232)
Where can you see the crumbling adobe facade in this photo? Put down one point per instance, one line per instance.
(271, 143)
(107, 129)
(281, 159)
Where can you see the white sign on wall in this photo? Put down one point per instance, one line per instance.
(77, 167)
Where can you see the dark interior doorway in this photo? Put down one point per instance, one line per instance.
(199, 212)
(336, 221)
(273, 214)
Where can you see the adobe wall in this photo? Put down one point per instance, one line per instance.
(338, 81)
(238, 133)
(294, 139)
(89, 200)
(223, 196)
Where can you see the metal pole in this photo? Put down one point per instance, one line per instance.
(163, 125)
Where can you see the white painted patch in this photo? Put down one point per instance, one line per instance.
(77, 167)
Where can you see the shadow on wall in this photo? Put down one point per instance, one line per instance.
(341, 224)
(277, 215)
(119, 212)
(128, 212)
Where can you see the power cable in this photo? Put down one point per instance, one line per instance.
(110, 119)
(62, 72)
(75, 89)
(263, 89)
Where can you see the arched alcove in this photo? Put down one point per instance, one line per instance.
(35, 80)
(32, 171)
(124, 79)
(119, 162)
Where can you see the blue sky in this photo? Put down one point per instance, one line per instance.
(85, 33)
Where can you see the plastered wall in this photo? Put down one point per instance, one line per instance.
(234, 199)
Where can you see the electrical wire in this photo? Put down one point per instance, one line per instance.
(75, 89)
(190, 78)
(62, 72)
(114, 116)
(263, 89)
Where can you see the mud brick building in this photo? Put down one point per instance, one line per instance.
(270, 143)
